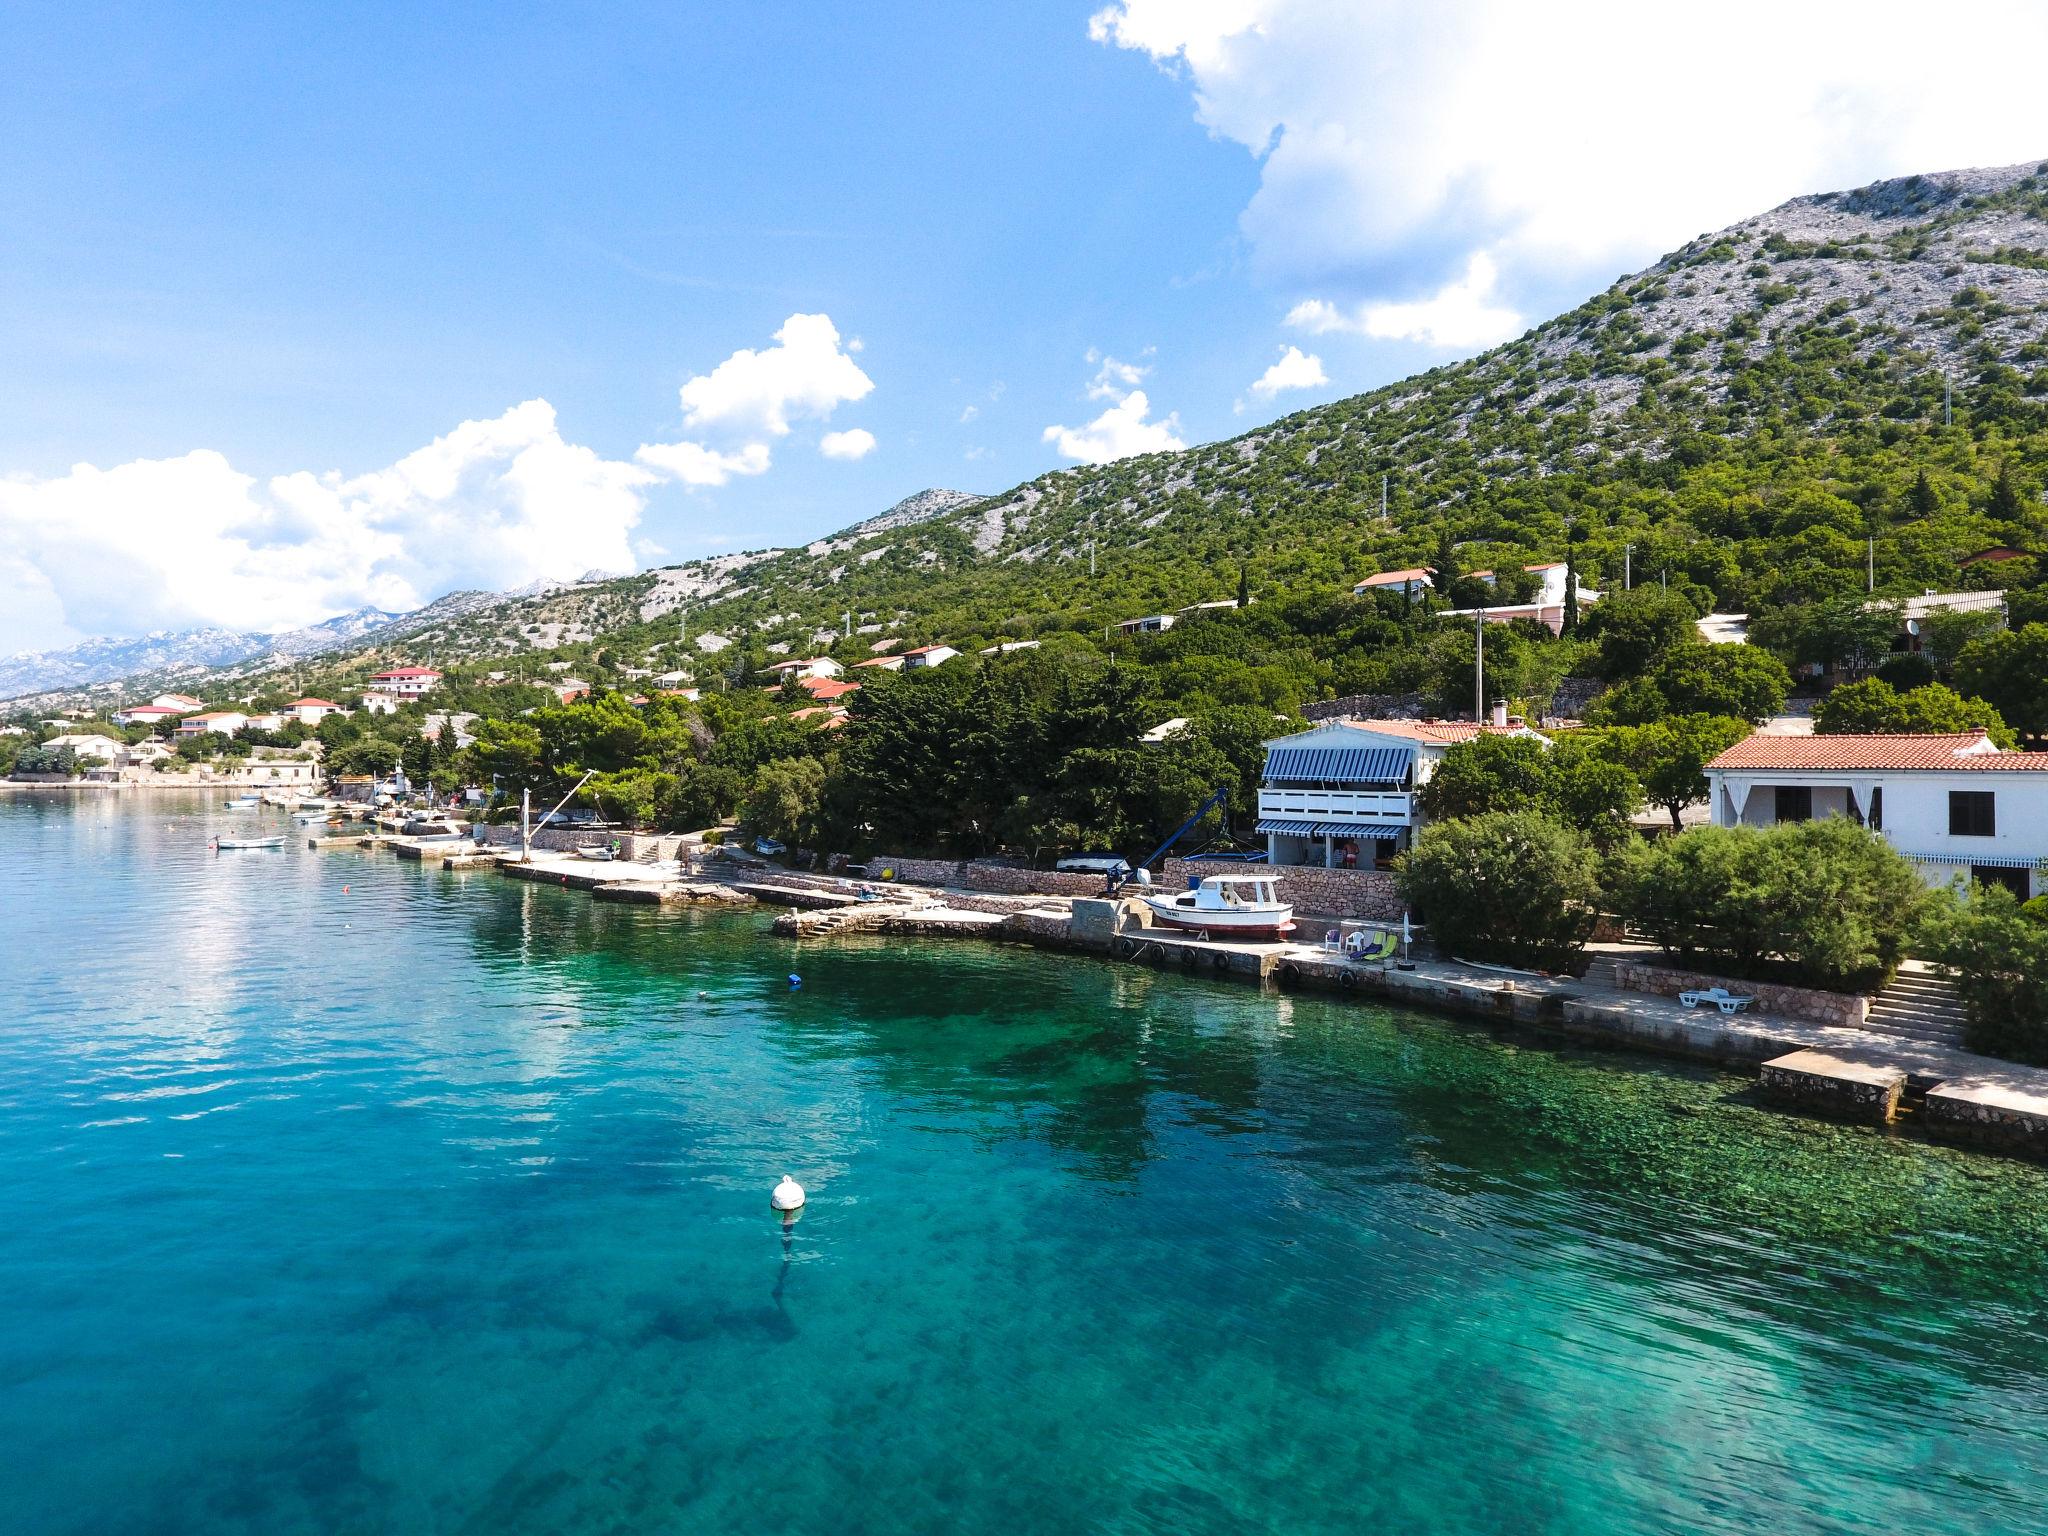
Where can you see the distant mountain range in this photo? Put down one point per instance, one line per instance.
(197, 650)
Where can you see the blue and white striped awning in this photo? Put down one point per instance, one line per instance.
(1986, 860)
(1339, 765)
(1333, 828)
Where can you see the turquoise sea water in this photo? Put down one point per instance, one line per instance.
(340, 1195)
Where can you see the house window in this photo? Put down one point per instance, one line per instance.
(1971, 813)
(2014, 880)
(1877, 808)
(1795, 802)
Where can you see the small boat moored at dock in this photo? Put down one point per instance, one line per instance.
(597, 852)
(244, 803)
(1233, 906)
(223, 844)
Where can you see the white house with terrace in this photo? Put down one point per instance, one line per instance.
(1343, 795)
(406, 682)
(1955, 805)
(1548, 607)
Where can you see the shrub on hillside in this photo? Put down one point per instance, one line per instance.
(1511, 887)
(1817, 903)
(1740, 682)
(1996, 948)
(1874, 707)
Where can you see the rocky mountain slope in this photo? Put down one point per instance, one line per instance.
(1808, 352)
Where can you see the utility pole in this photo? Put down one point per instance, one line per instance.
(1870, 565)
(1948, 415)
(1091, 559)
(849, 623)
(1383, 498)
(1627, 567)
(1479, 668)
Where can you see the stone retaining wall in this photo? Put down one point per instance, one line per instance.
(1000, 879)
(1840, 1008)
(1367, 893)
(1327, 892)
(1365, 706)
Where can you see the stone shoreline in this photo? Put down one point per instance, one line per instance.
(1826, 1068)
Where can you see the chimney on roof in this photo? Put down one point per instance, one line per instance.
(1500, 713)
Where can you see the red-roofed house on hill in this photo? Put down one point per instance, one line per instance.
(1548, 607)
(826, 689)
(406, 682)
(1407, 582)
(312, 711)
(146, 714)
(1954, 804)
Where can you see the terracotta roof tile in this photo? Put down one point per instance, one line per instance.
(1969, 750)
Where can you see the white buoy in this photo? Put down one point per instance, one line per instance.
(788, 1195)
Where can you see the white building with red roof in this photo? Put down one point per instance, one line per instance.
(1406, 582)
(928, 656)
(406, 682)
(1955, 805)
(809, 666)
(147, 714)
(221, 722)
(1342, 795)
(1548, 606)
(313, 711)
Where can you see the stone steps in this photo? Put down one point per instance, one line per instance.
(1919, 1005)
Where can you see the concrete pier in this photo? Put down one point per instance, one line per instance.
(1839, 1087)
(2004, 1110)
(681, 893)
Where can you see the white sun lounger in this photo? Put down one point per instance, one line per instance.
(1718, 997)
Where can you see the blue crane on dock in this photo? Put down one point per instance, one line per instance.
(1221, 797)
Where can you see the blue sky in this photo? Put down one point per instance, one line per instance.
(262, 265)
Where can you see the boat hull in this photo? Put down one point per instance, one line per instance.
(1225, 925)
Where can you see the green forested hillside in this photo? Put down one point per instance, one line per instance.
(1746, 414)
(1851, 386)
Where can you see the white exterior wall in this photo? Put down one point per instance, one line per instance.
(405, 687)
(1914, 812)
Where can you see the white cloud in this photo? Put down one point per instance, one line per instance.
(856, 443)
(1398, 140)
(1117, 433)
(1461, 314)
(693, 464)
(1113, 380)
(968, 413)
(1192, 29)
(1295, 370)
(805, 374)
(171, 543)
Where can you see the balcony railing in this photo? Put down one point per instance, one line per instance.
(1337, 804)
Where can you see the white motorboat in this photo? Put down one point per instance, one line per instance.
(596, 852)
(244, 803)
(1227, 906)
(222, 844)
